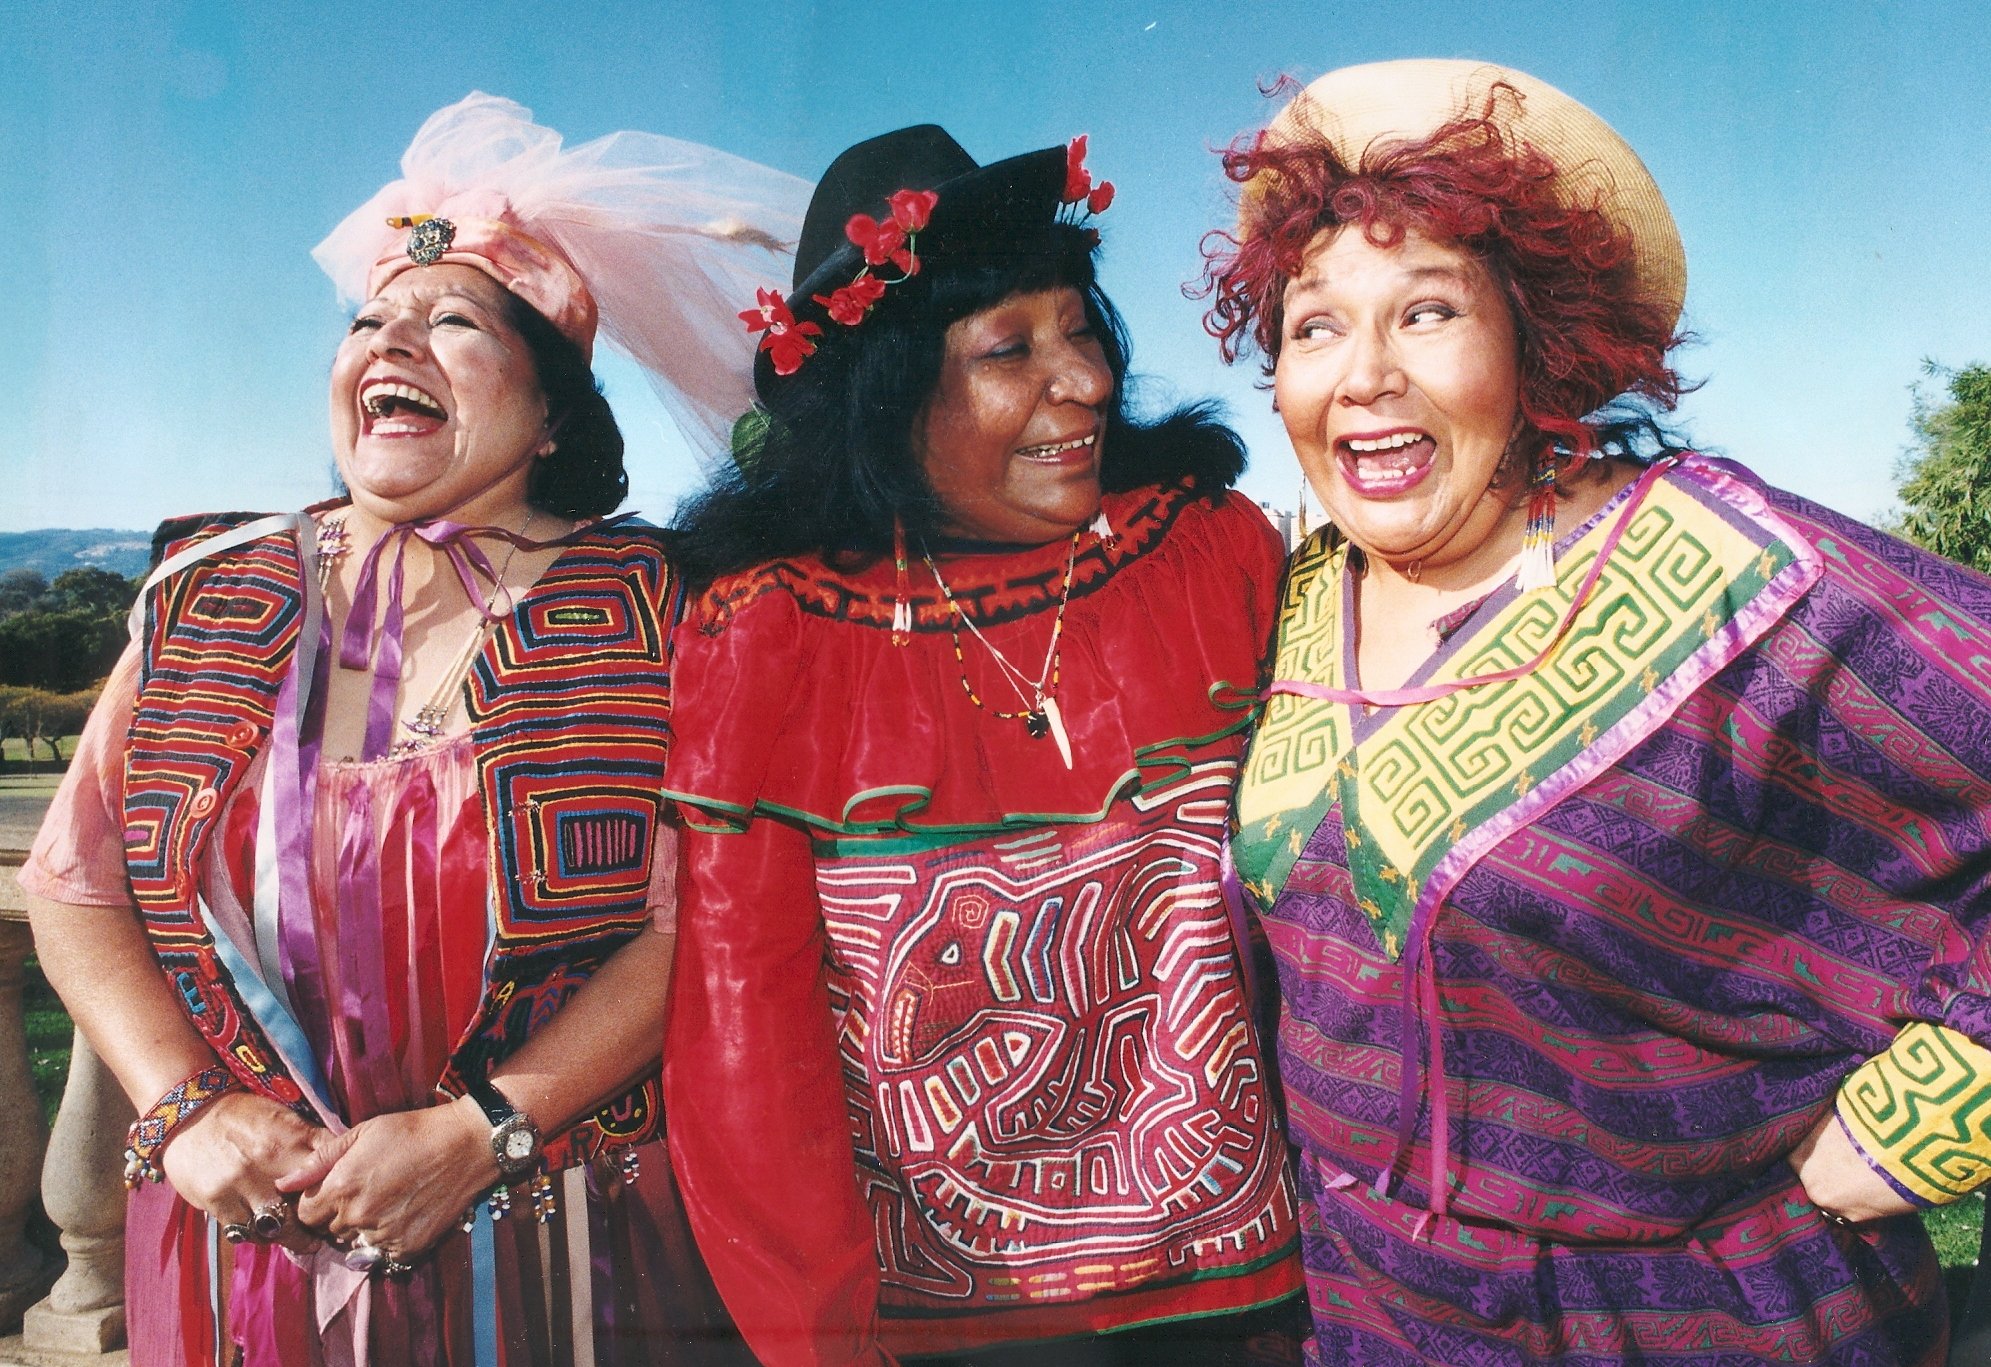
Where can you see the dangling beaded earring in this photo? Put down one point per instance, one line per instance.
(1538, 540)
(902, 598)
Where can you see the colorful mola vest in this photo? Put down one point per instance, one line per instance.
(570, 716)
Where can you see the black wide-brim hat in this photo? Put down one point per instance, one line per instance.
(980, 207)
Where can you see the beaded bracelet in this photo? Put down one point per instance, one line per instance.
(148, 1134)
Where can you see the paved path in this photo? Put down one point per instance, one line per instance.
(22, 803)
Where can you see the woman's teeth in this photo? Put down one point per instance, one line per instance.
(1387, 465)
(1364, 445)
(388, 397)
(1058, 448)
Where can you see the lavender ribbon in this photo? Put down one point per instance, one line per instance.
(362, 642)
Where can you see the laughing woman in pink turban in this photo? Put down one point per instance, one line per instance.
(376, 788)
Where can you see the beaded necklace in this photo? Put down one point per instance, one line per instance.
(1039, 714)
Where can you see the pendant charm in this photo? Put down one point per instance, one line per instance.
(1055, 720)
(427, 721)
(332, 546)
(1037, 724)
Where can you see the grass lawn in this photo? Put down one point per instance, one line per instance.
(14, 748)
(1956, 1230)
(48, 1039)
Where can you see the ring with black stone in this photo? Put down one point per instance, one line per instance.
(270, 1219)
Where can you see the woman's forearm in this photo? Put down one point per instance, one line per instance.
(606, 1036)
(100, 963)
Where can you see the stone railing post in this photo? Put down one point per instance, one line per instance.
(24, 1270)
(82, 1189)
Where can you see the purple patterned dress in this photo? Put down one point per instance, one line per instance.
(1570, 964)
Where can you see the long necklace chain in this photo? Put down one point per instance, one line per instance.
(1039, 714)
(427, 722)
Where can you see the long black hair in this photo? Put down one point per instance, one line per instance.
(825, 463)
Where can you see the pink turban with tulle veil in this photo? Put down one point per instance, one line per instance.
(645, 239)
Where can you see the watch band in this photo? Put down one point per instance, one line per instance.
(489, 1100)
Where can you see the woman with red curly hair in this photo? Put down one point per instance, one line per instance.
(1621, 825)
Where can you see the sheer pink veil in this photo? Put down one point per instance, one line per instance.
(657, 238)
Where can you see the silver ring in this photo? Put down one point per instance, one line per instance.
(394, 1267)
(363, 1256)
(236, 1233)
(269, 1220)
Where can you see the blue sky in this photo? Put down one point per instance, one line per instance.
(165, 169)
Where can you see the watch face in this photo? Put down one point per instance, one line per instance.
(515, 1143)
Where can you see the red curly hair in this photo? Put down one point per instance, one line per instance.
(1587, 334)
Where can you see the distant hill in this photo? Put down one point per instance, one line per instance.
(55, 549)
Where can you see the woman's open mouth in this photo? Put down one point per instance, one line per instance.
(395, 408)
(1384, 464)
(1073, 450)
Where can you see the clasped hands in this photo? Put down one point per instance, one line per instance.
(389, 1188)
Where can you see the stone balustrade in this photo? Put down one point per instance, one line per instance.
(78, 1319)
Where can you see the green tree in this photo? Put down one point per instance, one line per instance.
(21, 590)
(58, 651)
(36, 716)
(1945, 477)
(90, 589)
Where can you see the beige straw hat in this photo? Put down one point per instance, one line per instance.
(1358, 106)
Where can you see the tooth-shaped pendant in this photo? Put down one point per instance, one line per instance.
(1049, 708)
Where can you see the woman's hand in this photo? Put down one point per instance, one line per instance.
(227, 1158)
(1839, 1181)
(400, 1181)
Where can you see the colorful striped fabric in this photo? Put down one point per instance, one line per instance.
(1645, 987)
(477, 884)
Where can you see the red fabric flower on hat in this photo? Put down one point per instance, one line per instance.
(784, 339)
(881, 242)
(788, 342)
(913, 209)
(770, 310)
(849, 304)
(1078, 180)
(790, 346)
(1080, 191)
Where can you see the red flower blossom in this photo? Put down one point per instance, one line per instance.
(841, 307)
(1078, 180)
(1100, 198)
(881, 242)
(849, 304)
(781, 336)
(789, 346)
(866, 290)
(912, 209)
(770, 312)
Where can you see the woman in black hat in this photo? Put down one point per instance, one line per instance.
(962, 1053)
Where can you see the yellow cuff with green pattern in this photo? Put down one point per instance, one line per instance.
(1920, 1114)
